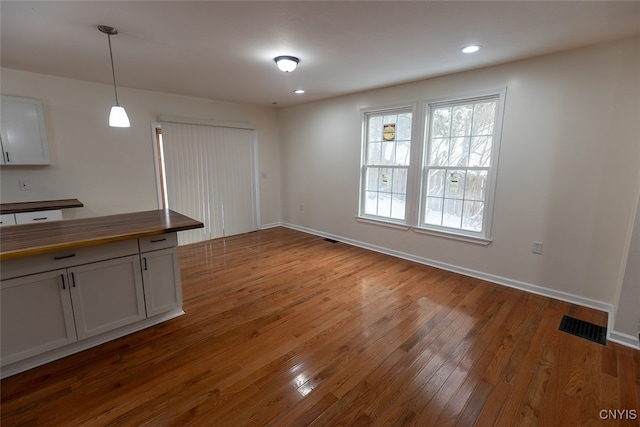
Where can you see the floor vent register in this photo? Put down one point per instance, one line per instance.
(582, 329)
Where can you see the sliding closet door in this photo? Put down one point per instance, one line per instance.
(210, 176)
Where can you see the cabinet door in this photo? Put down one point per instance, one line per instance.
(36, 315)
(106, 295)
(24, 137)
(161, 278)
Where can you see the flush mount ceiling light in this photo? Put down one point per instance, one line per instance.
(471, 48)
(286, 63)
(118, 117)
(298, 91)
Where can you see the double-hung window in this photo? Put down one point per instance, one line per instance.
(459, 166)
(385, 164)
(452, 194)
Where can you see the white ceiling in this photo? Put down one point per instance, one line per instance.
(224, 50)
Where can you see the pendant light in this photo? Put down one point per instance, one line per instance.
(118, 117)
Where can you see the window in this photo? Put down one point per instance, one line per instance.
(459, 165)
(453, 194)
(385, 165)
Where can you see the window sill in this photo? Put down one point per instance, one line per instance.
(454, 236)
(383, 223)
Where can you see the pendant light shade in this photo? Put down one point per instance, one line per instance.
(118, 116)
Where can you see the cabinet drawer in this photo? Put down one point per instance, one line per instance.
(7, 219)
(63, 259)
(38, 216)
(160, 241)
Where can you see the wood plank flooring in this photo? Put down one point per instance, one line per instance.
(284, 328)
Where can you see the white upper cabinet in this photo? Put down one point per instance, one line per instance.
(24, 137)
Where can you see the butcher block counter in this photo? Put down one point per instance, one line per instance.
(38, 238)
(73, 284)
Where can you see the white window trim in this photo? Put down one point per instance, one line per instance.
(453, 233)
(412, 183)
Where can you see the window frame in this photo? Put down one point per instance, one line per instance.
(366, 113)
(426, 107)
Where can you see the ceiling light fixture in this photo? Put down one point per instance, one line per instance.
(286, 63)
(298, 91)
(118, 117)
(471, 48)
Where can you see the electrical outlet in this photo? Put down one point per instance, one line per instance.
(537, 248)
(24, 185)
(300, 207)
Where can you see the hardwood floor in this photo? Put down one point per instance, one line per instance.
(286, 329)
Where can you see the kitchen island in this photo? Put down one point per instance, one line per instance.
(72, 284)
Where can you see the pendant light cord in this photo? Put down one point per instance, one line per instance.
(113, 71)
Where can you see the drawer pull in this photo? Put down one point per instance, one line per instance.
(42, 218)
(64, 257)
(158, 240)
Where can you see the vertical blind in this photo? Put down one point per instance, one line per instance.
(210, 176)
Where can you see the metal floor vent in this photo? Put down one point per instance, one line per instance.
(582, 329)
(330, 240)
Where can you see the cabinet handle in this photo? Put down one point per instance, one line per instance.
(73, 279)
(145, 263)
(8, 161)
(64, 286)
(158, 240)
(64, 257)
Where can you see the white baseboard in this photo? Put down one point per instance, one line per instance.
(272, 225)
(624, 339)
(618, 337)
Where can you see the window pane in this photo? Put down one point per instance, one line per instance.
(435, 183)
(454, 185)
(403, 128)
(461, 120)
(375, 129)
(480, 155)
(398, 203)
(384, 183)
(402, 153)
(399, 181)
(459, 155)
(373, 156)
(433, 212)
(483, 117)
(384, 204)
(476, 183)
(439, 152)
(388, 152)
(371, 203)
(390, 119)
(441, 122)
(452, 215)
(372, 179)
(473, 216)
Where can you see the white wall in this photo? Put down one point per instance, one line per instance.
(112, 170)
(567, 177)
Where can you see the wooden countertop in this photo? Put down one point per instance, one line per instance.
(42, 205)
(32, 239)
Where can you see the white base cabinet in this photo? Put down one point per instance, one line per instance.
(94, 292)
(106, 295)
(36, 315)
